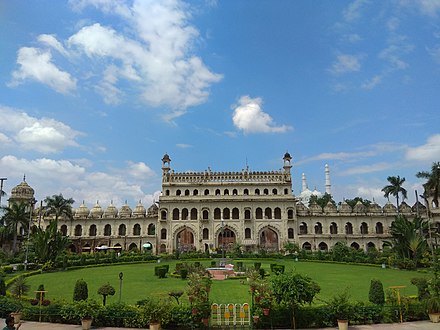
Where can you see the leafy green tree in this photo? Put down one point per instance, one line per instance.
(291, 248)
(432, 185)
(322, 200)
(106, 290)
(353, 202)
(395, 188)
(14, 215)
(340, 251)
(19, 287)
(59, 206)
(48, 243)
(294, 290)
(81, 292)
(376, 295)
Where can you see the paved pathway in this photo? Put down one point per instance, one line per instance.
(419, 325)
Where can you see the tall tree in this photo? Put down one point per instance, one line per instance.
(59, 206)
(322, 200)
(432, 185)
(395, 188)
(48, 243)
(14, 215)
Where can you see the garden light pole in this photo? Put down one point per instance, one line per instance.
(223, 242)
(120, 285)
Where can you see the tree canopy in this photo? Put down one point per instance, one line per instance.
(395, 188)
(432, 185)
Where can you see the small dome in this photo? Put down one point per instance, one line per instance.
(315, 208)
(125, 211)
(389, 208)
(330, 208)
(82, 211)
(374, 208)
(166, 158)
(111, 211)
(359, 208)
(405, 208)
(344, 207)
(287, 156)
(420, 206)
(153, 210)
(22, 191)
(96, 211)
(301, 208)
(139, 210)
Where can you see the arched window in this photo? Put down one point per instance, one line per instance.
(364, 228)
(235, 192)
(247, 214)
(246, 192)
(107, 230)
(226, 213)
(235, 213)
(167, 192)
(323, 246)
(303, 228)
(355, 246)
(205, 214)
(274, 191)
(370, 245)
(206, 192)
(122, 230)
(163, 215)
(178, 192)
(193, 214)
(247, 233)
(348, 228)
(307, 246)
(277, 213)
(333, 228)
(258, 213)
(205, 233)
(92, 230)
(379, 228)
(195, 192)
(286, 191)
(226, 192)
(318, 228)
(217, 213)
(290, 233)
(78, 230)
(257, 191)
(185, 214)
(63, 230)
(151, 229)
(266, 191)
(268, 213)
(137, 229)
(176, 214)
(186, 192)
(217, 192)
(163, 233)
(289, 214)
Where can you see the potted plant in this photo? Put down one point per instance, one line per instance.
(86, 310)
(154, 312)
(432, 304)
(341, 308)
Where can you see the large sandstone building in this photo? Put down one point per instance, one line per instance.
(212, 211)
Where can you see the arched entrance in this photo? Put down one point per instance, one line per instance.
(185, 240)
(268, 240)
(226, 239)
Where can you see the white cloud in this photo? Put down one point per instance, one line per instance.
(346, 63)
(428, 7)
(373, 82)
(140, 170)
(44, 135)
(430, 151)
(249, 117)
(371, 193)
(183, 145)
(364, 169)
(36, 64)
(52, 42)
(353, 11)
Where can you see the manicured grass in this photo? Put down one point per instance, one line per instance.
(139, 281)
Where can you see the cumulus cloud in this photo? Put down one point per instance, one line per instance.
(44, 135)
(140, 170)
(249, 117)
(346, 63)
(36, 64)
(430, 151)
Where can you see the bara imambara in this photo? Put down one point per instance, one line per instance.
(208, 211)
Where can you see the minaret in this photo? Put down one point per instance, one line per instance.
(287, 166)
(165, 167)
(328, 186)
(304, 183)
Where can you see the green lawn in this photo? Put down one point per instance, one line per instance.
(139, 281)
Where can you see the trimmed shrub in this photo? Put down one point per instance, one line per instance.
(183, 273)
(8, 269)
(376, 294)
(81, 292)
(162, 272)
(257, 265)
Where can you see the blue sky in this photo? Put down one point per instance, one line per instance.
(94, 92)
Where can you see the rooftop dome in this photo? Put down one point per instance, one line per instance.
(153, 210)
(111, 211)
(374, 208)
(125, 211)
(96, 211)
(344, 207)
(359, 208)
(315, 208)
(82, 211)
(139, 210)
(330, 208)
(420, 206)
(405, 208)
(389, 208)
(22, 191)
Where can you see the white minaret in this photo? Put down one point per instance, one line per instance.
(304, 182)
(328, 186)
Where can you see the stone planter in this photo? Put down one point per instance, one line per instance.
(434, 317)
(343, 324)
(86, 323)
(16, 316)
(155, 326)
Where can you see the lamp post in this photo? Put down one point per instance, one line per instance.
(223, 242)
(31, 203)
(120, 285)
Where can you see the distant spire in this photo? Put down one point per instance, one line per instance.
(327, 180)
(304, 183)
(24, 177)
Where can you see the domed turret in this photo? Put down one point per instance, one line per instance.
(374, 208)
(405, 208)
(22, 192)
(301, 209)
(82, 211)
(315, 208)
(330, 208)
(344, 208)
(125, 211)
(153, 210)
(359, 208)
(96, 211)
(111, 211)
(389, 208)
(139, 210)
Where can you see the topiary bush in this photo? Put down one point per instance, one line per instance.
(81, 291)
(376, 294)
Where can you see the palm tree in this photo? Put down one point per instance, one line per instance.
(59, 206)
(48, 243)
(395, 188)
(432, 185)
(15, 214)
